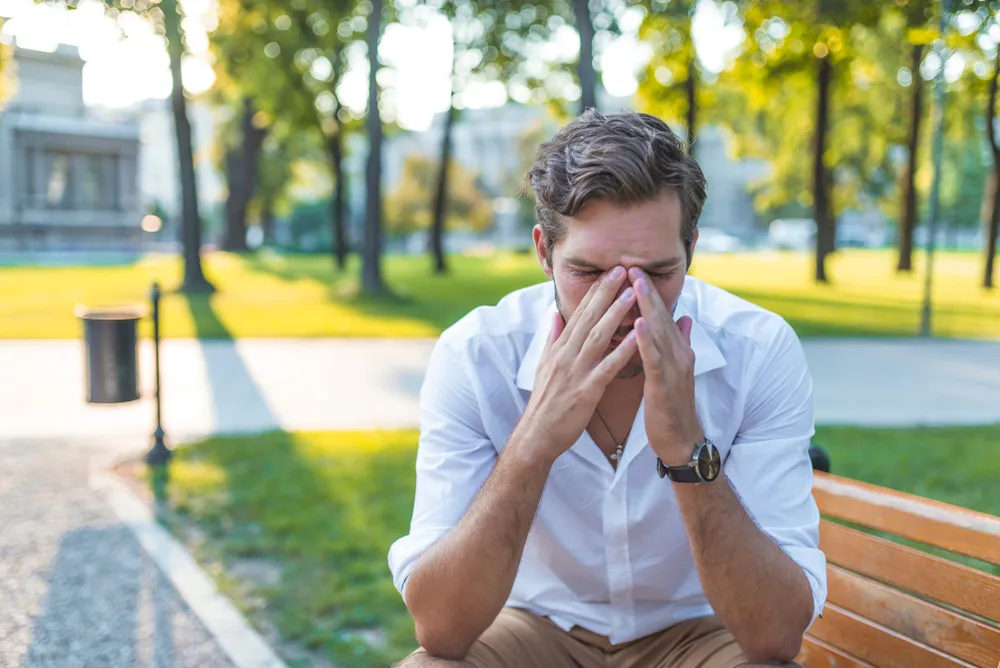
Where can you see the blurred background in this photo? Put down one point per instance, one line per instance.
(320, 188)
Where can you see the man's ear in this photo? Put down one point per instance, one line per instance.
(538, 236)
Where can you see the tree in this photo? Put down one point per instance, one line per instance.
(241, 167)
(166, 17)
(290, 57)
(994, 217)
(790, 45)
(674, 65)
(918, 16)
(194, 278)
(371, 261)
(585, 65)
(490, 42)
(406, 208)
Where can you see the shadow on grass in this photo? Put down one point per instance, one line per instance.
(325, 513)
(415, 292)
(822, 317)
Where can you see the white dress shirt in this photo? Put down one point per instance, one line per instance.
(608, 550)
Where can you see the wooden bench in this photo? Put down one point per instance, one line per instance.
(892, 606)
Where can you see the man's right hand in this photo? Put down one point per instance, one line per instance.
(574, 372)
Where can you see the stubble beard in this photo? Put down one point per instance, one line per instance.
(632, 369)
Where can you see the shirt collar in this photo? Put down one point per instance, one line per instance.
(707, 354)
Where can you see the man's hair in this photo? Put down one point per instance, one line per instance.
(626, 158)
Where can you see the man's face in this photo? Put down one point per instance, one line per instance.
(604, 235)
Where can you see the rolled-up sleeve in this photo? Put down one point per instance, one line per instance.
(769, 465)
(454, 457)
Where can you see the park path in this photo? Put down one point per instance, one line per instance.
(256, 384)
(77, 589)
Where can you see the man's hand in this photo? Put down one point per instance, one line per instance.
(573, 372)
(672, 424)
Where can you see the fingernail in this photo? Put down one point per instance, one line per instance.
(617, 273)
(628, 295)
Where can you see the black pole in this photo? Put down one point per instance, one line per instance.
(159, 453)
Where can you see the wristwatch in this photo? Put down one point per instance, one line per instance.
(704, 466)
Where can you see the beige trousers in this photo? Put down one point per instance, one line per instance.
(519, 639)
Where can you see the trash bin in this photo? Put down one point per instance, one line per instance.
(111, 338)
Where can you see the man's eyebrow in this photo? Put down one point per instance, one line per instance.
(649, 267)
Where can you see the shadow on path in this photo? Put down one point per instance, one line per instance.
(239, 403)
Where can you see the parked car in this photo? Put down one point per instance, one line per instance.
(792, 233)
(714, 240)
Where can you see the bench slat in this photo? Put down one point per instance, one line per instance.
(939, 524)
(817, 654)
(928, 623)
(876, 644)
(953, 584)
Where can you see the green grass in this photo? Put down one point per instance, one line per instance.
(325, 506)
(270, 295)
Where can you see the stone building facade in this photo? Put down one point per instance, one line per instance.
(67, 180)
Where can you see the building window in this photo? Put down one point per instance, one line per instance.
(57, 181)
(88, 180)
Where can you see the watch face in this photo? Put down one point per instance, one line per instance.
(709, 461)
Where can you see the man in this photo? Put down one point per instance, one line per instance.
(570, 509)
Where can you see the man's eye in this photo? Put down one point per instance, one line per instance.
(586, 274)
(663, 277)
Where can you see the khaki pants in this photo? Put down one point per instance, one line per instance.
(518, 639)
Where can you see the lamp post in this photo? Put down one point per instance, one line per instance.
(159, 453)
(936, 153)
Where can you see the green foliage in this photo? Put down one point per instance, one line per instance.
(409, 204)
(322, 509)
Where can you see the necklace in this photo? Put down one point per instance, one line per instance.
(617, 454)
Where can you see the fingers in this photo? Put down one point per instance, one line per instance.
(600, 335)
(592, 312)
(612, 365)
(578, 313)
(652, 359)
(659, 318)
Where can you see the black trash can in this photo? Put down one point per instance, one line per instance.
(111, 339)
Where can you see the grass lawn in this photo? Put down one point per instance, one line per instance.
(269, 295)
(323, 508)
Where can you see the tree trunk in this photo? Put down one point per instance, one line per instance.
(267, 220)
(241, 178)
(194, 277)
(691, 89)
(371, 266)
(441, 192)
(825, 230)
(335, 149)
(908, 220)
(994, 224)
(585, 67)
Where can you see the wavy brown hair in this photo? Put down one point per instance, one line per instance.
(625, 157)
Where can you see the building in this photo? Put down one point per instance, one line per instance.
(68, 180)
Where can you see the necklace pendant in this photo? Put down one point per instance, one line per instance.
(617, 454)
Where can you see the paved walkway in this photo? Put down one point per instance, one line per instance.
(76, 589)
(250, 385)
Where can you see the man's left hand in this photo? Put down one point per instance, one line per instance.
(672, 424)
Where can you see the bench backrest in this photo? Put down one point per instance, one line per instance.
(893, 606)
